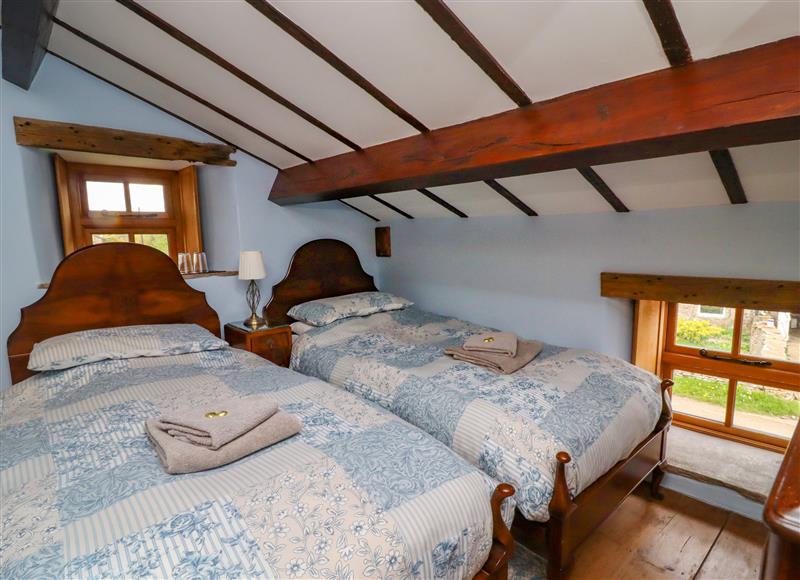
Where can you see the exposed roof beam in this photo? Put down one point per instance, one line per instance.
(663, 16)
(433, 197)
(511, 198)
(26, 32)
(469, 43)
(727, 173)
(603, 189)
(74, 137)
(289, 27)
(361, 211)
(392, 207)
(743, 98)
(160, 108)
(177, 87)
(180, 36)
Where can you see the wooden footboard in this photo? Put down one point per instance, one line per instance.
(496, 566)
(573, 519)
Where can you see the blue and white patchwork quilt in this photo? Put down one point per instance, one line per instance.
(358, 493)
(595, 407)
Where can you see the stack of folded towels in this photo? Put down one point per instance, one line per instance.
(501, 352)
(195, 439)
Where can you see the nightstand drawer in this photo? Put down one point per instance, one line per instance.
(274, 347)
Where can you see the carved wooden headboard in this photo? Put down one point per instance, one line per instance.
(117, 284)
(319, 269)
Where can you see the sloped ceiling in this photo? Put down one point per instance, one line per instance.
(228, 68)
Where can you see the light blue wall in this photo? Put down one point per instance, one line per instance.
(235, 212)
(540, 277)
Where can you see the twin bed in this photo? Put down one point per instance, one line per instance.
(369, 486)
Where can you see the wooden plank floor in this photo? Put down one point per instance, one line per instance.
(678, 537)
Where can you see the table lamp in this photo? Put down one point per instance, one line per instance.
(251, 267)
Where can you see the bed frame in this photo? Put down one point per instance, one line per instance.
(122, 284)
(324, 268)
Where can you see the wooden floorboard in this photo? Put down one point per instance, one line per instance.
(678, 537)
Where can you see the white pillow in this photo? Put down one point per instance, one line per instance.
(121, 342)
(299, 328)
(326, 310)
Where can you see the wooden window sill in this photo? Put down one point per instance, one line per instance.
(222, 273)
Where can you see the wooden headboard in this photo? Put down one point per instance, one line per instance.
(117, 284)
(319, 269)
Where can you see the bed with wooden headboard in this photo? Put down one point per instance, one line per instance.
(115, 284)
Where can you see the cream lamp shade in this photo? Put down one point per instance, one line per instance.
(251, 265)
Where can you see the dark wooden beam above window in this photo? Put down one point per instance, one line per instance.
(26, 32)
(468, 42)
(74, 137)
(743, 98)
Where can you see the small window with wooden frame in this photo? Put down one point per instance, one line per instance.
(109, 203)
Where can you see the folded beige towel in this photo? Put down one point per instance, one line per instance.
(502, 343)
(181, 457)
(214, 427)
(527, 350)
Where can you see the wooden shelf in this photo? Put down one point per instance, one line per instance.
(219, 273)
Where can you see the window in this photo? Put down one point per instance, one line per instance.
(100, 204)
(736, 371)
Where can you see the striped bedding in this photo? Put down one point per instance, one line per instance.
(358, 493)
(595, 407)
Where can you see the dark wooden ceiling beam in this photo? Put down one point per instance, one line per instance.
(743, 98)
(361, 211)
(160, 108)
(730, 177)
(87, 138)
(469, 43)
(162, 79)
(190, 42)
(433, 197)
(669, 30)
(603, 189)
(26, 32)
(392, 207)
(292, 29)
(511, 198)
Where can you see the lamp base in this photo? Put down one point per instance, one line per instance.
(254, 321)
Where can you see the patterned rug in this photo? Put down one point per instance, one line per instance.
(525, 565)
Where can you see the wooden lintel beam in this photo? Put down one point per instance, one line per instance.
(781, 295)
(511, 198)
(74, 137)
(26, 32)
(743, 98)
(727, 173)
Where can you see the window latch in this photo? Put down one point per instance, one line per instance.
(751, 363)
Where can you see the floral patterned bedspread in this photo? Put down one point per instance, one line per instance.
(595, 407)
(358, 493)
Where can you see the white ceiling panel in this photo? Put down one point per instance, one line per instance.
(476, 199)
(416, 204)
(114, 25)
(247, 39)
(374, 208)
(403, 52)
(558, 192)
(769, 172)
(66, 44)
(551, 48)
(667, 182)
(713, 28)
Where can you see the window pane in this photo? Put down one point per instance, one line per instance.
(771, 334)
(147, 197)
(157, 241)
(700, 395)
(708, 327)
(766, 409)
(106, 238)
(105, 196)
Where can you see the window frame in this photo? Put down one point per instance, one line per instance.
(780, 374)
(180, 220)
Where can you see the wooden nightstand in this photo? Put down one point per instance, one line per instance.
(274, 343)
